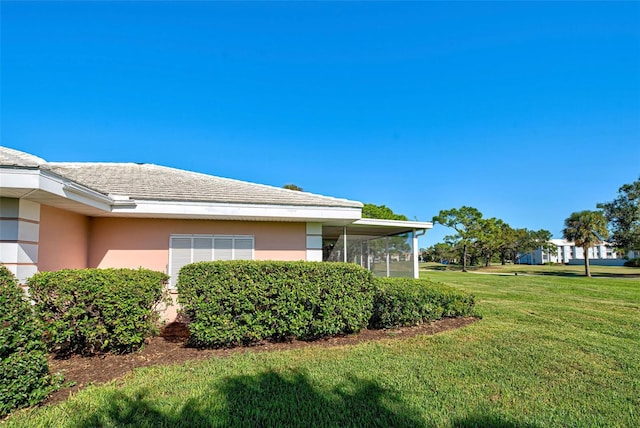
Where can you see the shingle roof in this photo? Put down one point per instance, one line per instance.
(154, 182)
(160, 183)
(11, 157)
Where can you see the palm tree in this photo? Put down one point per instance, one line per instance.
(586, 229)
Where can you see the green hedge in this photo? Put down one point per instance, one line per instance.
(403, 302)
(632, 263)
(241, 302)
(24, 373)
(88, 311)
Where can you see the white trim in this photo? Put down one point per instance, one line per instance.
(414, 244)
(22, 272)
(314, 255)
(393, 223)
(35, 179)
(226, 211)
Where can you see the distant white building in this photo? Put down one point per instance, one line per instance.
(567, 252)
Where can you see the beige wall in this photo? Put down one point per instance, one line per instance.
(63, 240)
(132, 243)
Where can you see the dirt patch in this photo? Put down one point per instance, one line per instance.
(169, 348)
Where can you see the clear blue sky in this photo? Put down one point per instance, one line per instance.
(526, 111)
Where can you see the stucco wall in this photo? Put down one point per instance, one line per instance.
(64, 239)
(127, 242)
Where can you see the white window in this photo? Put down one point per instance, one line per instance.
(185, 249)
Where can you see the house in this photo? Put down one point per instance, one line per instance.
(56, 215)
(568, 253)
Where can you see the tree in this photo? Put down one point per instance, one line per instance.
(489, 238)
(507, 238)
(440, 253)
(623, 215)
(381, 212)
(466, 221)
(586, 229)
(292, 187)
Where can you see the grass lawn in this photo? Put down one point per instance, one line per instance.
(550, 351)
(556, 270)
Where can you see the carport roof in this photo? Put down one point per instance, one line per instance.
(370, 228)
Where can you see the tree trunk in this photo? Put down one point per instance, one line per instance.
(585, 250)
(464, 258)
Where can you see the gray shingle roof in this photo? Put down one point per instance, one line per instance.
(160, 183)
(11, 157)
(154, 182)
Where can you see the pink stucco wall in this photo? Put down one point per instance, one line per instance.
(133, 243)
(63, 239)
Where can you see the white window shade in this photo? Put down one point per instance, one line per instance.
(223, 249)
(186, 249)
(202, 249)
(243, 249)
(179, 255)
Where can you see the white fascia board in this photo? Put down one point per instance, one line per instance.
(22, 178)
(394, 223)
(35, 179)
(207, 210)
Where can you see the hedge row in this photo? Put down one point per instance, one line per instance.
(632, 263)
(88, 311)
(241, 302)
(24, 373)
(403, 302)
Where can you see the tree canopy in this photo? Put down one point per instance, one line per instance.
(381, 212)
(291, 186)
(586, 229)
(466, 221)
(623, 215)
(484, 238)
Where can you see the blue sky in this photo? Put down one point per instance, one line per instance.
(526, 111)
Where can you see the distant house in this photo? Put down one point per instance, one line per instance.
(57, 215)
(568, 253)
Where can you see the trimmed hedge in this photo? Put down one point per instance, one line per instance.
(88, 311)
(24, 373)
(242, 302)
(632, 263)
(403, 301)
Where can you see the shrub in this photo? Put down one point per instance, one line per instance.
(240, 302)
(632, 263)
(24, 373)
(88, 311)
(403, 302)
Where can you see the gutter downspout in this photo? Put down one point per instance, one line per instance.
(416, 266)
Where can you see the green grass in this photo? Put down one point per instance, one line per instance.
(549, 351)
(557, 270)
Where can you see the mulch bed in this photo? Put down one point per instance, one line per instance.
(169, 348)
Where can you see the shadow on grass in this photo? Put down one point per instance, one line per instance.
(265, 400)
(272, 399)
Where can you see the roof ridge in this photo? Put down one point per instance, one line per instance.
(268, 186)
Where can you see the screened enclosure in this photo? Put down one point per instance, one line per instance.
(385, 247)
